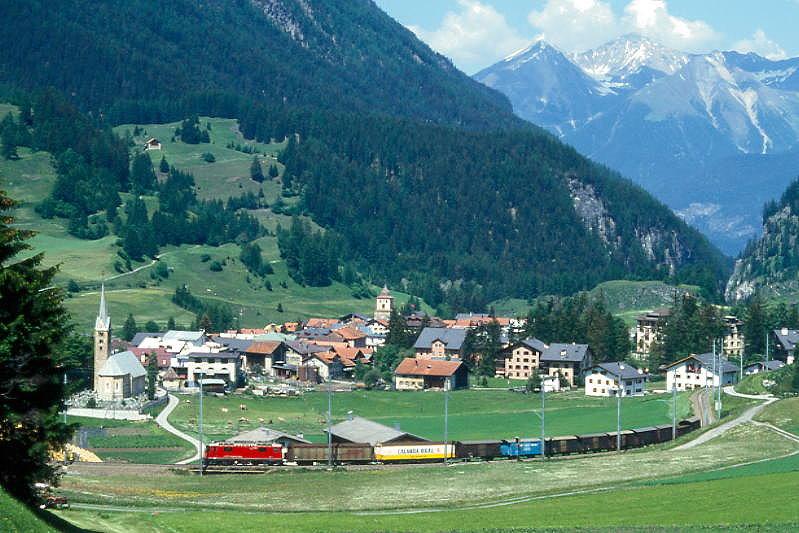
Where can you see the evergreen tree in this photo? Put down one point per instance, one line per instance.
(755, 326)
(256, 172)
(398, 334)
(151, 325)
(163, 166)
(205, 322)
(8, 146)
(142, 176)
(170, 324)
(795, 378)
(33, 322)
(273, 171)
(129, 328)
(152, 375)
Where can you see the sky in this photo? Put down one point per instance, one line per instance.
(477, 33)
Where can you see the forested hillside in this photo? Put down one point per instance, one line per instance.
(771, 262)
(421, 176)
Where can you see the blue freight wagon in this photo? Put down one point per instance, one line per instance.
(521, 448)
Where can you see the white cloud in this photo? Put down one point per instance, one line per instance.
(760, 44)
(576, 25)
(475, 36)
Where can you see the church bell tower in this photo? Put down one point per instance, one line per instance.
(102, 337)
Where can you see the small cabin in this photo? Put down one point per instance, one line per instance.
(152, 144)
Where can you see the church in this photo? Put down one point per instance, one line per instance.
(116, 376)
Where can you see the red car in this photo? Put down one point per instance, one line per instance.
(228, 453)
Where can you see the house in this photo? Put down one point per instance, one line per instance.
(440, 343)
(420, 374)
(568, 361)
(420, 319)
(475, 320)
(330, 365)
(266, 435)
(321, 323)
(263, 354)
(756, 368)
(785, 345)
(378, 327)
(152, 144)
(122, 376)
(210, 365)
(606, 379)
(648, 330)
(353, 337)
(699, 371)
(171, 380)
(520, 360)
(163, 357)
(362, 431)
(733, 339)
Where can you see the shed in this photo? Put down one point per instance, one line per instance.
(362, 431)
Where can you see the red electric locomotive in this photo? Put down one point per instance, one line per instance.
(229, 453)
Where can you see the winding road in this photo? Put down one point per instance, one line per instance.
(743, 418)
(163, 420)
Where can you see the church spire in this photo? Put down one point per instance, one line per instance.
(103, 322)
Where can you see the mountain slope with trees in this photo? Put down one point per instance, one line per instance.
(420, 175)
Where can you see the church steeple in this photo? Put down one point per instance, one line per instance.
(102, 337)
(384, 304)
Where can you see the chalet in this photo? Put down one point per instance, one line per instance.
(171, 380)
(122, 376)
(700, 371)
(362, 431)
(520, 360)
(352, 336)
(263, 354)
(648, 330)
(606, 379)
(568, 361)
(152, 144)
(330, 365)
(441, 343)
(419, 374)
(733, 336)
(785, 345)
(218, 365)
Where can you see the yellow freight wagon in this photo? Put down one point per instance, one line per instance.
(428, 451)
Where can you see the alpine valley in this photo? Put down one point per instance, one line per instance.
(712, 135)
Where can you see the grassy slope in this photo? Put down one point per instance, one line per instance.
(135, 442)
(15, 517)
(783, 414)
(31, 178)
(472, 414)
(624, 298)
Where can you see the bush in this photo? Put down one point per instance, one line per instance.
(205, 258)
(372, 378)
(208, 157)
(216, 266)
(72, 286)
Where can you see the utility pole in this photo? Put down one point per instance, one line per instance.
(200, 425)
(543, 424)
(619, 392)
(721, 375)
(329, 423)
(65, 391)
(446, 422)
(673, 412)
(766, 363)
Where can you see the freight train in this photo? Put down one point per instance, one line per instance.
(244, 454)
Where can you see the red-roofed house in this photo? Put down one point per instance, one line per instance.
(164, 357)
(418, 374)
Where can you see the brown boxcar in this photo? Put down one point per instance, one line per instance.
(318, 453)
(596, 442)
(474, 449)
(664, 432)
(563, 445)
(647, 436)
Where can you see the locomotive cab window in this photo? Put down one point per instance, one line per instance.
(228, 448)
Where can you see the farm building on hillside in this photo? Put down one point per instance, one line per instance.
(606, 379)
(699, 371)
(419, 374)
(152, 144)
(362, 431)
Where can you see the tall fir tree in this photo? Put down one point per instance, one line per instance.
(33, 322)
(129, 328)
(152, 375)
(256, 172)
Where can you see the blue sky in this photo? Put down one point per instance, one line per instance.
(476, 33)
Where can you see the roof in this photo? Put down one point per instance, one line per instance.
(123, 364)
(162, 356)
(364, 431)
(265, 434)
(385, 293)
(706, 360)
(328, 357)
(139, 337)
(531, 342)
(774, 364)
(312, 323)
(186, 336)
(622, 370)
(170, 374)
(304, 348)
(264, 347)
(788, 338)
(349, 333)
(573, 353)
(239, 345)
(103, 322)
(213, 355)
(427, 367)
(452, 338)
(655, 314)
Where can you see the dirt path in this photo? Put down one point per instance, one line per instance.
(162, 420)
(744, 417)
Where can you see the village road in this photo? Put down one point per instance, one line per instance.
(162, 420)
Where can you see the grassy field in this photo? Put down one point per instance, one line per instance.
(468, 496)
(473, 414)
(783, 414)
(133, 442)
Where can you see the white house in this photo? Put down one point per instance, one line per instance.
(699, 371)
(605, 379)
(220, 365)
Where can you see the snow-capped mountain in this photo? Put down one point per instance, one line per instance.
(671, 121)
